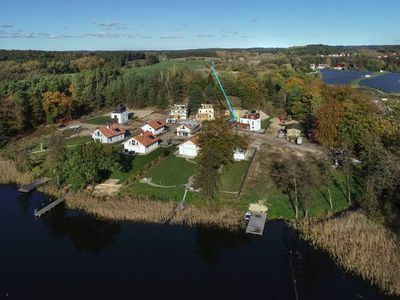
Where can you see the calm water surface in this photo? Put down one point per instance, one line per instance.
(68, 255)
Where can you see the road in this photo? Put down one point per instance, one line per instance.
(271, 138)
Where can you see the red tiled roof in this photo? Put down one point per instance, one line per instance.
(112, 130)
(156, 124)
(146, 138)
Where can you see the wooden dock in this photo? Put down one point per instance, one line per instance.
(50, 206)
(26, 188)
(256, 223)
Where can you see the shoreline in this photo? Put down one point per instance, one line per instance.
(351, 239)
(359, 246)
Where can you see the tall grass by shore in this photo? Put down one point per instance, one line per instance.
(10, 174)
(148, 211)
(360, 246)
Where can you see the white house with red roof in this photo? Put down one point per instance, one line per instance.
(250, 122)
(142, 143)
(189, 148)
(156, 127)
(109, 134)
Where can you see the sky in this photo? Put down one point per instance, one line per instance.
(177, 24)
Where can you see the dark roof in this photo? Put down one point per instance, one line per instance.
(294, 126)
(119, 109)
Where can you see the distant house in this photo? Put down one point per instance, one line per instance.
(322, 66)
(205, 112)
(250, 122)
(293, 131)
(189, 148)
(142, 143)
(178, 112)
(239, 155)
(109, 134)
(187, 128)
(120, 115)
(155, 127)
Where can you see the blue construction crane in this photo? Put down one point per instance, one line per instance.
(228, 102)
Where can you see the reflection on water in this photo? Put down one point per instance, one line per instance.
(79, 257)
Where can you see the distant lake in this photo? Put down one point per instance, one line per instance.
(342, 77)
(387, 82)
(70, 255)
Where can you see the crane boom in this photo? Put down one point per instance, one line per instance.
(228, 102)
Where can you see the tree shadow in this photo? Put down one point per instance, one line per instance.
(212, 242)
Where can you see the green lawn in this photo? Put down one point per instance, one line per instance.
(232, 176)
(279, 204)
(99, 120)
(159, 194)
(165, 65)
(78, 140)
(171, 171)
(133, 164)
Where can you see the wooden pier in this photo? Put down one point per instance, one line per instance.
(26, 188)
(50, 206)
(256, 223)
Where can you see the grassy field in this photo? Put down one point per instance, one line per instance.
(280, 205)
(171, 171)
(165, 65)
(232, 176)
(99, 120)
(159, 194)
(78, 140)
(134, 164)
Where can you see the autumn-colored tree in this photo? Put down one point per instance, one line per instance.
(57, 105)
(217, 142)
(329, 117)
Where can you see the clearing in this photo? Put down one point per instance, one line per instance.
(165, 65)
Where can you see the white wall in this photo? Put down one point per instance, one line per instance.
(147, 127)
(122, 117)
(188, 149)
(133, 145)
(255, 125)
(98, 136)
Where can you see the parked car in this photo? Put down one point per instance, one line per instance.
(299, 141)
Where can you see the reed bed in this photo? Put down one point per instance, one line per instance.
(148, 211)
(10, 174)
(360, 246)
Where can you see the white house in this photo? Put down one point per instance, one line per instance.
(250, 122)
(239, 155)
(187, 128)
(178, 112)
(142, 143)
(205, 112)
(189, 148)
(155, 127)
(120, 114)
(109, 134)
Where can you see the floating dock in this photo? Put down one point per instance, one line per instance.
(50, 206)
(256, 223)
(26, 188)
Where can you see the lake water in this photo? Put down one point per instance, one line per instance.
(342, 77)
(387, 82)
(68, 255)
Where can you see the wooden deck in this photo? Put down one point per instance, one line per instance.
(26, 188)
(50, 206)
(256, 223)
